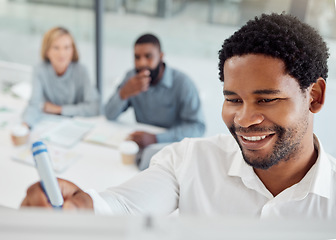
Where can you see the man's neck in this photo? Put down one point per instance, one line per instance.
(287, 173)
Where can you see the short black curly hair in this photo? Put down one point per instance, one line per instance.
(148, 38)
(281, 36)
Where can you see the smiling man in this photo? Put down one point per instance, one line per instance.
(268, 114)
(274, 70)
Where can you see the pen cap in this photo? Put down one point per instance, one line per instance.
(38, 145)
(45, 170)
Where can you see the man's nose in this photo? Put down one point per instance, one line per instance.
(142, 63)
(247, 116)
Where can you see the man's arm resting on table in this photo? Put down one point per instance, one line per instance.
(143, 139)
(115, 106)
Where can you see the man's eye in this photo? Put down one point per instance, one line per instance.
(267, 100)
(233, 100)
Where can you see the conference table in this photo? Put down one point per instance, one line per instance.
(97, 167)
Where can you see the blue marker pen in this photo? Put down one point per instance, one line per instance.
(48, 180)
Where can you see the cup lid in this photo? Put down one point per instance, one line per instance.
(129, 147)
(20, 130)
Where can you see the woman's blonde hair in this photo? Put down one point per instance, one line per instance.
(50, 36)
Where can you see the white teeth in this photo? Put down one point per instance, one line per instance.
(254, 138)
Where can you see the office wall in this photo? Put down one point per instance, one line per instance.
(191, 33)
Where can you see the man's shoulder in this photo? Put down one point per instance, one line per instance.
(325, 155)
(178, 74)
(332, 162)
(130, 73)
(180, 81)
(220, 149)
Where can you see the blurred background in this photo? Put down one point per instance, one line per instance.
(191, 33)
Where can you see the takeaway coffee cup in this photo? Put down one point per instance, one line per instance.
(128, 151)
(20, 134)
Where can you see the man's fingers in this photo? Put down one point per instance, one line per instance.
(133, 136)
(73, 196)
(67, 188)
(35, 197)
(130, 137)
(79, 199)
(143, 83)
(144, 73)
(145, 87)
(137, 137)
(135, 86)
(25, 202)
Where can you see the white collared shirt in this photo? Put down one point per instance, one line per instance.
(208, 176)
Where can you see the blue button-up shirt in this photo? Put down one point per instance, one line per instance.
(173, 103)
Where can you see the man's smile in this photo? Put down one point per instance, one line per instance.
(256, 141)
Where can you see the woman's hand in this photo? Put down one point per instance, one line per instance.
(52, 108)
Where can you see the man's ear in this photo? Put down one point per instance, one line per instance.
(161, 56)
(317, 95)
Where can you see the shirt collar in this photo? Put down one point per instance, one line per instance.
(239, 168)
(321, 181)
(317, 180)
(167, 77)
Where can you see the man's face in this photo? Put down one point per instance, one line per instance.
(265, 110)
(147, 56)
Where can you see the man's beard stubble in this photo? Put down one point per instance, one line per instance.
(154, 73)
(285, 147)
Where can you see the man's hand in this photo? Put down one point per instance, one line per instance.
(143, 139)
(52, 108)
(74, 197)
(135, 85)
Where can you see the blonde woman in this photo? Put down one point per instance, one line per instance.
(60, 84)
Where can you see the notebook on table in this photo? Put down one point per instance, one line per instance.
(112, 134)
(67, 133)
(61, 158)
(108, 134)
